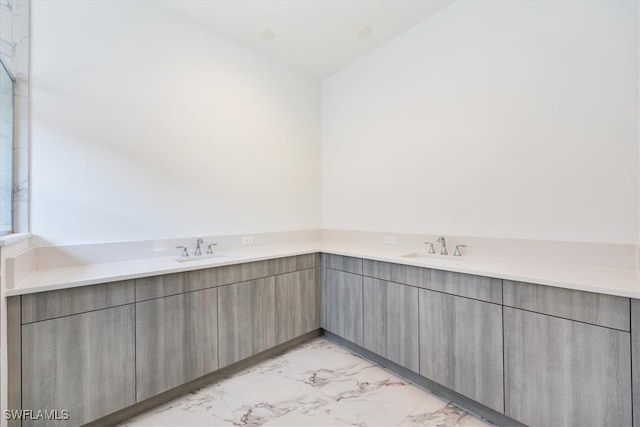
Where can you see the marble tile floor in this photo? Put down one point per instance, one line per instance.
(315, 384)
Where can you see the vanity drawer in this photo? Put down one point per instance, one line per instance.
(482, 288)
(466, 285)
(343, 263)
(218, 276)
(247, 271)
(65, 302)
(196, 280)
(295, 263)
(598, 309)
(161, 286)
(398, 273)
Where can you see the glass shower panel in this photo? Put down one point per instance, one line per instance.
(6, 151)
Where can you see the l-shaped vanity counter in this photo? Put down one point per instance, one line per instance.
(598, 280)
(540, 343)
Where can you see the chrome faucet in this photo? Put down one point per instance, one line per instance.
(198, 251)
(457, 252)
(184, 252)
(443, 250)
(210, 248)
(431, 249)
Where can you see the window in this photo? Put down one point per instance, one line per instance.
(6, 150)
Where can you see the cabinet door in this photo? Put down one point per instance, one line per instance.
(391, 321)
(461, 346)
(84, 363)
(343, 298)
(176, 340)
(566, 373)
(247, 319)
(297, 309)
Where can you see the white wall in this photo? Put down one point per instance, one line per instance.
(148, 126)
(501, 119)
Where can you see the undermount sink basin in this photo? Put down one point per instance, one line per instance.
(433, 259)
(201, 259)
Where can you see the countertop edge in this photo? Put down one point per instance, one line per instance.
(609, 282)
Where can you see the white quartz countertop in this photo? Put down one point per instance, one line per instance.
(611, 282)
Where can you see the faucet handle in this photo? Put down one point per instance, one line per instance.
(184, 252)
(209, 248)
(432, 250)
(457, 252)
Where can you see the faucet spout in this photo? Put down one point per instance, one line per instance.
(443, 249)
(198, 243)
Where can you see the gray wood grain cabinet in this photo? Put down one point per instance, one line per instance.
(391, 321)
(178, 283)
(565, 373)
(176, 340)
(461, 346)
(466, 285)
(297, 309)
(160, 286)
(635, 359)
(604, 310)
(399, 273)
(83, 363)
(246, 319)
(295, 263)
(342, 263)
(64, 302)
(343, 299)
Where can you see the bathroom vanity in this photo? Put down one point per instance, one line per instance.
(540, 355)
(95, 350)
(510, 351)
